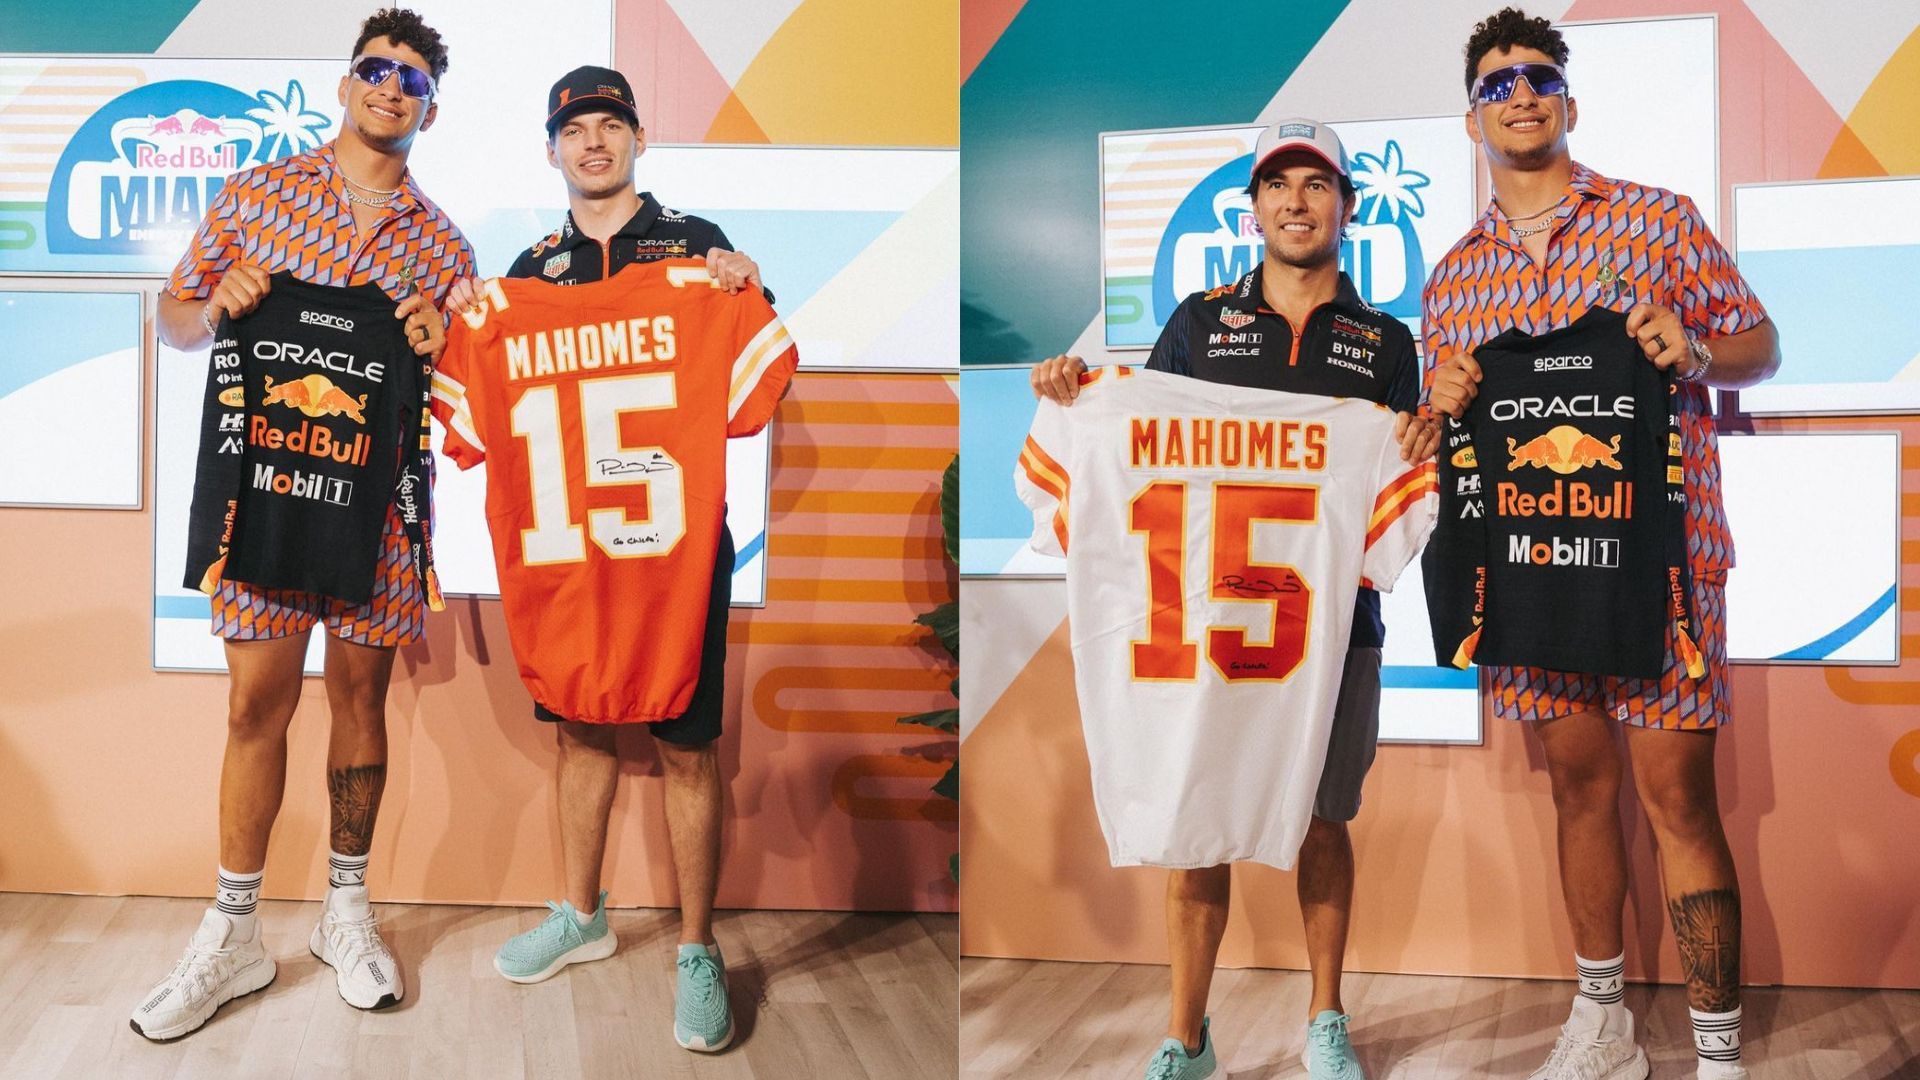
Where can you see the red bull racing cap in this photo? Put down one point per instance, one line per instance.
(589, 89)
(1299, 133)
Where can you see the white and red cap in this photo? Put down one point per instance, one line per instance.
(1299, 133)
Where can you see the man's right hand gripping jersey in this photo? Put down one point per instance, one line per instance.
(1562, 534)
(603, 412)
(1214, 536)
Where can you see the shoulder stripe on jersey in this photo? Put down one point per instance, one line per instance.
(771, 343)
(1400, 496)
(1092, 375)
(460, 414)
(1051, 477)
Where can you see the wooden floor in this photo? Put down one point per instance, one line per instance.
(814, 994)
(1033, 1020)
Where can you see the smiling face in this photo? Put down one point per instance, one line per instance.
(381, 116)
(595, 151)
(1301, 210)
(1526, 131)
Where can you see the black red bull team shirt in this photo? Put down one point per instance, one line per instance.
(311, 401)
(1346, 349)
(1561, 542)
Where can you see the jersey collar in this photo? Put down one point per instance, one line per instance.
(638, 226)
(1345, 296)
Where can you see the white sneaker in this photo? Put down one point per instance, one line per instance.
(214, 971)
(1591, 1049)
(348, 940)
(1731, 1070)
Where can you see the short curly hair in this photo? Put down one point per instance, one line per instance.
(404, 26)
(1511, 28)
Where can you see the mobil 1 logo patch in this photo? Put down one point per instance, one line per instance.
(303, 485)
(1553, 551)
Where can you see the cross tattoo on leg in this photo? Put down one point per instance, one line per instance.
(1706, 925)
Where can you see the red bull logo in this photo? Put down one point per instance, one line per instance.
(312, 439)
(1573, 499)
(185, 141)
(1564, 449)
(316, 396)
(140, 173)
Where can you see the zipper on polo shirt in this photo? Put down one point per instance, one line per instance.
(1293, 350)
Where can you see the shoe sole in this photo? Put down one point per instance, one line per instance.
(699, 1045)
(385, 1001)
(200, 1018)
(579, 954)
(1634, 1068)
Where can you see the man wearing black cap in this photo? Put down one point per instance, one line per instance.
(1294, 323)
(593, 138)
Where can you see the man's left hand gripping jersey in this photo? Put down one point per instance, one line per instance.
(1214, 536)
(604, 410)
(1562, 538)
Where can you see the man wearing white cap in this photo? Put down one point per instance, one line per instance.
(1294, 323)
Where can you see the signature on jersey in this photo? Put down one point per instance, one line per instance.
(1259, 586)
(621, 467)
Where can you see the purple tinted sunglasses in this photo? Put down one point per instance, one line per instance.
(374, 70)
(1547, 80)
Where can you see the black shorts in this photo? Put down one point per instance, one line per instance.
(700, 724)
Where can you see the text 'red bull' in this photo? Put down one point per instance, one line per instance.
(311, 439)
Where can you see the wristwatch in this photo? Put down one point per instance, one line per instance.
(1702, 357)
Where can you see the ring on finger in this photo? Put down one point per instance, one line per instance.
(1660, 342)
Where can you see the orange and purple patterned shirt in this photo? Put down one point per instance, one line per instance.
(1614, 244)
(292, 214)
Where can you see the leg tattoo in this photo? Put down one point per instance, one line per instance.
(1707, 926)
(356, 798)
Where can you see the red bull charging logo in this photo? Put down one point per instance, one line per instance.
(1564, 449)
(316, 396)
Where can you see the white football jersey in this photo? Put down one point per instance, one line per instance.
(1214, 537)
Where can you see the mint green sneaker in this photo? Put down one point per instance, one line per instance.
(1329, 1053)
(542, 951)
(702, 1019)
(1171, 1062)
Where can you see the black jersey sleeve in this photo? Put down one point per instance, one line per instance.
(1170, 351)
(1454, 566)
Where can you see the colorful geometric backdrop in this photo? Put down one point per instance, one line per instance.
(1455, 844)
(830, 798)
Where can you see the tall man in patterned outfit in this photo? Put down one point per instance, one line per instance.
(1557, 239)
(346, 213)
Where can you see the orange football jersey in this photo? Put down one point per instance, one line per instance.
(603, 412)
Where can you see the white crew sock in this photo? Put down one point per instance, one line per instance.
(346, 871)
(1716, 1039)
(1604, 982)
(236, 896)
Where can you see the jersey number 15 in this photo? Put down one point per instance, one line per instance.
(1159, 513)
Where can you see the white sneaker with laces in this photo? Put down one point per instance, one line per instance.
(1590, 1049)
(215, 970)
(348, 940)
